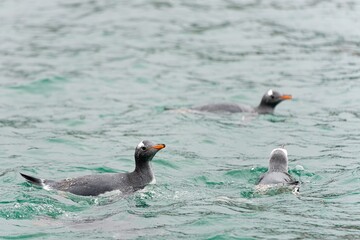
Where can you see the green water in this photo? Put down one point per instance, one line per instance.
(83, 82)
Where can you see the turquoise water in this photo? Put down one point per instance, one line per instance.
(83, 82)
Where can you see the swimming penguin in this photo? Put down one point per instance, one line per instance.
(93, 185)
(267, 105)
(277, 173)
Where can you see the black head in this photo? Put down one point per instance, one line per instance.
(278, 160)
(146, 150)
(270, 100)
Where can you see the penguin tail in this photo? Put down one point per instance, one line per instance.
(33, 180)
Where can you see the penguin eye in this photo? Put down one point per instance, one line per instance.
(272, 96)
(143, 148)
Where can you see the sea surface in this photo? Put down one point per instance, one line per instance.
(83, 82)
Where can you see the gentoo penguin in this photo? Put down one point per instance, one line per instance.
(267, 105)
(277, 173)
(93, 185)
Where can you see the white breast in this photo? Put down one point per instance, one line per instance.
(153, 179)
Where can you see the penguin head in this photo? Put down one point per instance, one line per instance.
(270, 100)
(146, 150)
(278, 160)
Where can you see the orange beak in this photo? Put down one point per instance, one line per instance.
(286, 97)
(158, 146)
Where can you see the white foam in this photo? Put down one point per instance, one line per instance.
(299, 168)
(111, 193)
(264, 188)
(46, 187)
(270, 92)
(279, 149)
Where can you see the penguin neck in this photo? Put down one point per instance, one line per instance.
(263, 109)
(144, 170)
(278, 168)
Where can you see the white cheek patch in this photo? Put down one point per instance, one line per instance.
(140, 145)
(270, 92)
(279, 149)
